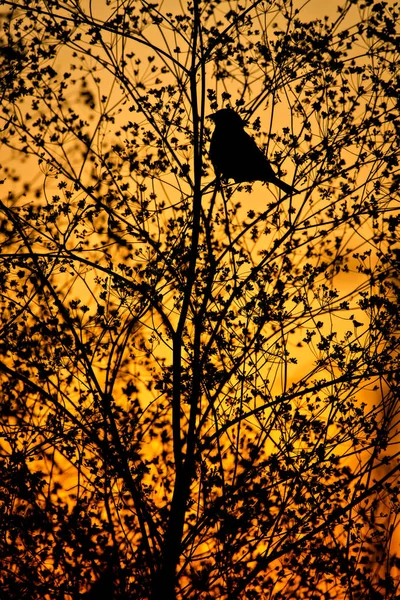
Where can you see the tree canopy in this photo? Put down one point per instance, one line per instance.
(199, 379)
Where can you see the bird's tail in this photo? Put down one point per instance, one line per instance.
(288, 189)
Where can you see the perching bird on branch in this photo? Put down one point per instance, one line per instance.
(235, 155)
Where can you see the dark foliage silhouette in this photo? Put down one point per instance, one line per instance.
(199, 391)
(235, 155)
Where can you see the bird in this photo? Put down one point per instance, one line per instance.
(235, 155)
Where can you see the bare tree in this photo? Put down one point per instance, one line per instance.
(199, 379)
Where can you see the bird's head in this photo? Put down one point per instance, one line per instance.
(228, 118)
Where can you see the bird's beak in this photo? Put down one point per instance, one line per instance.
(212, 116)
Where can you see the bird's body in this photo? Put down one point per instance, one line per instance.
(235, 155)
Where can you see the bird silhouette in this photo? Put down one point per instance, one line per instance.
(235, 155)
